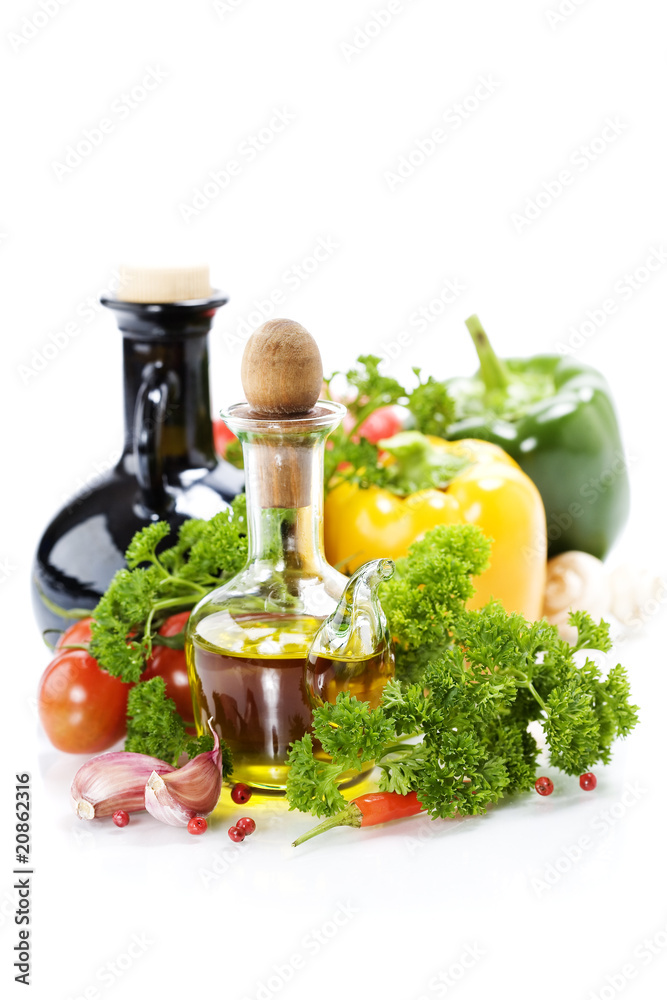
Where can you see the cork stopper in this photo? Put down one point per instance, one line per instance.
(164, 284)
(281, 369)
(281, 373)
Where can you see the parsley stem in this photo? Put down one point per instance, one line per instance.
(163, 571)
(522, 681)
(399, 747)
(173, 602)
(189, 583)
(540, 701)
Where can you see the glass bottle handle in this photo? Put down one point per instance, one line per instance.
(149, 413)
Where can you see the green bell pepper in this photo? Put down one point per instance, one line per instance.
(555, 417)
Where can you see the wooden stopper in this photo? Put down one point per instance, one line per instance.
(281, 370)
(281, 373)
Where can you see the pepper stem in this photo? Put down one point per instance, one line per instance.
(350, 816)
(493, 371)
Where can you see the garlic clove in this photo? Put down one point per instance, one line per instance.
(192, 790)
(576, 581)
(113, 781)
(163, 805)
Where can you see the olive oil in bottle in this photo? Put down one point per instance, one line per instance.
(248, 672)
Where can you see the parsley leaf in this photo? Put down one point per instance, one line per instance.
(155, 727)
(590, 635)
(431, 406)
(428, 593)
(139, 599)
(351, 731)
(453, 725)
(311, 783)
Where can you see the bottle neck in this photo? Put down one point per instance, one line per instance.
(166, 383)
(287, 538)
(183, 366)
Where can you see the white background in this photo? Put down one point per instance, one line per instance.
(412, 899)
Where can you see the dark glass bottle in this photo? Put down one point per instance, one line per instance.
(168, 469)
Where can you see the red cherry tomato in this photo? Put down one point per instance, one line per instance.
(81, 707)
(222, 436)
(77, 634)
(170, 664)
(382, 423)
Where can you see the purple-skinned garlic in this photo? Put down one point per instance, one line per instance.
(192, 790)
(114, 781)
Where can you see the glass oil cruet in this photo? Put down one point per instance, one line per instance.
(248, 642)
(352, 649)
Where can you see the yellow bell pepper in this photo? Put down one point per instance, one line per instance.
(491, 491)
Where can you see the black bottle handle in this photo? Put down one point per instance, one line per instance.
(149, 414)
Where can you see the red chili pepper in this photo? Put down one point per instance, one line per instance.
(369, 810)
